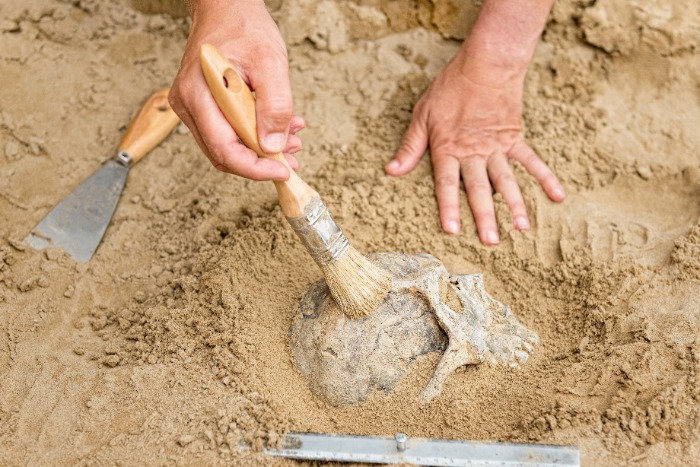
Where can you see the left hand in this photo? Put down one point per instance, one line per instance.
(471, 118)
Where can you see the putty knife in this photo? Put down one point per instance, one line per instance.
(79, 221)
(422, 451)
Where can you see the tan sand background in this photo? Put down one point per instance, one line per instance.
(171, 345)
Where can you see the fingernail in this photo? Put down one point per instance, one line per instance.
(491, 237)
(558, 193)
(452, 227)
(393, 165)
(521, 223)
(275, 142)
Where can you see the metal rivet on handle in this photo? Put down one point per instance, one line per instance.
(401, 441)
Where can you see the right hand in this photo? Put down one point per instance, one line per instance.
(245, 33)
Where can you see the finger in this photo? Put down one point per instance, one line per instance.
(412, 148)
(224, 150)
(529, 159)
(480, 197)
(296, 124)
(189, 123)
(293, 144)
(446, 172)
(273, 105)
(292, 161)
(504, 182)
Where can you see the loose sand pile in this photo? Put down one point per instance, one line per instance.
(172, 344)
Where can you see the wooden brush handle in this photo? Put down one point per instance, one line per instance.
(151, 125)
(237, 103)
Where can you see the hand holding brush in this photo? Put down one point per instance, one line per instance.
(357, 285)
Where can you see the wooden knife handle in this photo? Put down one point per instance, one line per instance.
(151, 125)
(237, 103)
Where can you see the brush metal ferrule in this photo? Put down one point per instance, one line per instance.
(319, 233)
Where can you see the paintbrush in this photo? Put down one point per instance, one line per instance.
(356, 284)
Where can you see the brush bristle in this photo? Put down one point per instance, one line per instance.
(357, 285)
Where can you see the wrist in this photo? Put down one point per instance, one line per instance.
(214, 8)
(505, 35)
(493, 52)
(488, 70)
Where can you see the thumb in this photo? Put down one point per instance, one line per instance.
(412, 148)
(273, 106)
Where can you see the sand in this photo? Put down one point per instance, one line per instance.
(171, 346)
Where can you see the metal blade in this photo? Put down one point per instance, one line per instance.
(79, 221)
(422, 451)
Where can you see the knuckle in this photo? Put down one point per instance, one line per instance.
(227, 160)
(530, 159)
(177, 98)
(408, 147)
(174, 96)
(449, 207)
(252, 176)
(447, 181)
(516, 206)
(217, 160)
(504, 179)
(479, 186)
(550, 180)
(274, 59)
(277, 106)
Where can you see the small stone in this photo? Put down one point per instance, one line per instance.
(140, 296)
(36, 146)
(17, 244)
(156, 23)
(170, 248)
(43, 282)
(12, 150)
(184, 440)
(644, 171)
(52, 254)
(136, 199)
(79, 351)
(111, 361)
(353, 99)
(111, 350)
(70, 291)
(421, 61)
(8, 25)
(28, 284)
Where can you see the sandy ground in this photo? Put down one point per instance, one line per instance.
(171, 345)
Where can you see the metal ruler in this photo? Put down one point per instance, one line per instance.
(422, 451)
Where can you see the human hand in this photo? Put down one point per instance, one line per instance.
(246, 34)
(471, 118)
